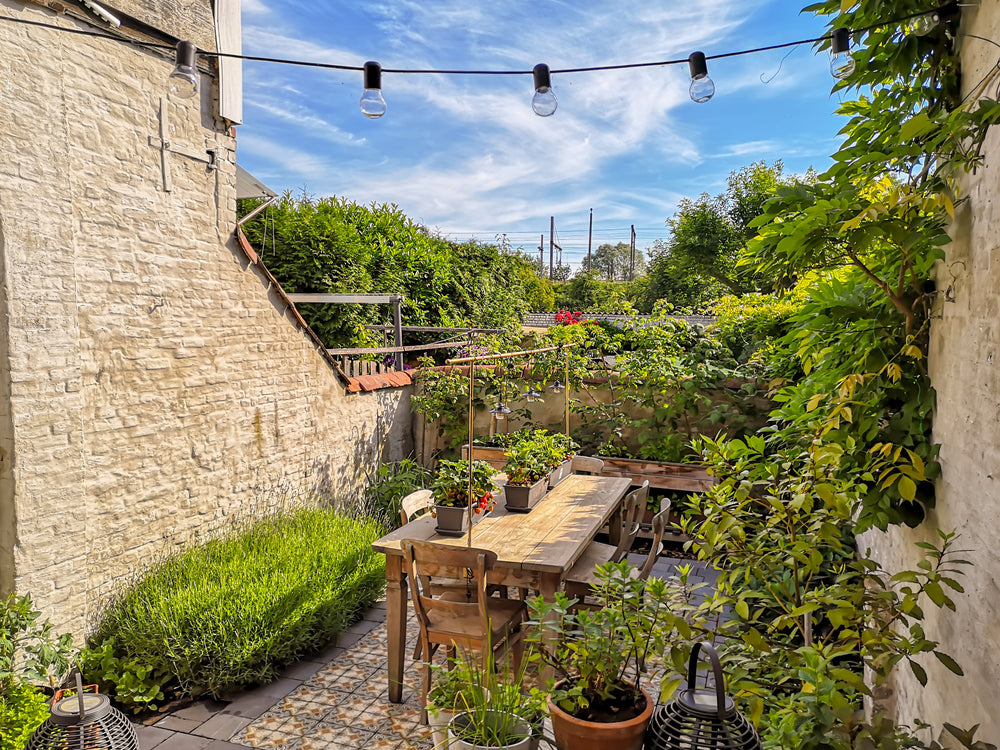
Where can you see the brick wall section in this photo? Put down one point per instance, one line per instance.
(964, 358)
(157, 387)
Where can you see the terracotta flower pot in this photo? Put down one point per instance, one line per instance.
(576, 734)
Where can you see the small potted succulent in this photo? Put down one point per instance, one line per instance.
(450, 492)
(598, 656)
(561, 449)
(527, 473)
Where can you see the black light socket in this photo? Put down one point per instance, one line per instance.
(185, 54)
(840, 41)
(542, 77)
(373, 75)
(697, 65)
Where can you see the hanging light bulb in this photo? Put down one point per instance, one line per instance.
(372, 101)
(841, 62)
(557, 387)
(702, 87)
(544, 101)
(532, 395)
(183, 80)
(500, 411)
(924, 25)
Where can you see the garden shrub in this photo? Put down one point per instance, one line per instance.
(22, 711)
(232, 612)
(390, 484)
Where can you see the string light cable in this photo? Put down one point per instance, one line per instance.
(373, 104)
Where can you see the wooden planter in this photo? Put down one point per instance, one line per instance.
(661, 474)
(559, 473)
(495, 457)
(520, 498)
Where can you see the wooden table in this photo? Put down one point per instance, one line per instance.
(534, 550)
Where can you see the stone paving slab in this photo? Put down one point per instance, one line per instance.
(335, 701)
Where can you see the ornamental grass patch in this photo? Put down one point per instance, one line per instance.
(230, 613)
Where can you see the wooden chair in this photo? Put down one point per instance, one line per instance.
(460, 618)
(582, 575)
(659, 524)
(415, 504)
(587, 465)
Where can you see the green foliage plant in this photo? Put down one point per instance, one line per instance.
(527, 462)
(130, 682)
(390, 484)
(810, 615)
(598, 654)
(450, 486)
(232, 612)
(30, 650)
(22, 711)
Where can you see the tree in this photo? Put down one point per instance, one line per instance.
(709, 235)
(666, 279)
(614, 262)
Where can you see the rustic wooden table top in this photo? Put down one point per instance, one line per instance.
(549, 539)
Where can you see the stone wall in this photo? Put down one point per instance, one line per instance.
(965, 368)
(152, 386)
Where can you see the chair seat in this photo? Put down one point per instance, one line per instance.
(582, 575)
(506, 615)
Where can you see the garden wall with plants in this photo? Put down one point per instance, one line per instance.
(152, 382)
(963, 351)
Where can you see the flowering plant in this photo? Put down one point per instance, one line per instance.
(450, 487)
(567, 318)
(527, 461)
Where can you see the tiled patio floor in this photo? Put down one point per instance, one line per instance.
(336, 702)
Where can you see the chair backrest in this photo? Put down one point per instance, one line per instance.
(587, 465)
(427, 560)
(659, 527)
(634, 505)
(415, 502)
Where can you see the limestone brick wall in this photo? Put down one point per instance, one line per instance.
(151, 385)
(965, 368)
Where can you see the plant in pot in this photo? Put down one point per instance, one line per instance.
(450, 492)
(598, 655)
(493, 708)
(527, 473)
(561, 449)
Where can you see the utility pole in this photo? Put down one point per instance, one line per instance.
(541, 254)
(552, 247)
(590, 242)
(631, 257)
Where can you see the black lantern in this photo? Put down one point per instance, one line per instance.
(85, 721)
(701, 719)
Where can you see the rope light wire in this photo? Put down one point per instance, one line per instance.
(695, 60)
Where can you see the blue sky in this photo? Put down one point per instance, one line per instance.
(466, 156)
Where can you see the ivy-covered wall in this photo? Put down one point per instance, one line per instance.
(964, 362)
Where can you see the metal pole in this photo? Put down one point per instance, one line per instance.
(541, 255)
(631, 257)
(472, 412)
(590, 241)
(552, 248)
(567, 393)
(397, 335)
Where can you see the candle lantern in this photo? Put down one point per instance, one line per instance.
(85, 721)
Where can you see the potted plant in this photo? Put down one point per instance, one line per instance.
(561, 449)
(450, 492)
(598, 655)
(453, 690)
(494, 709)
(527, 473)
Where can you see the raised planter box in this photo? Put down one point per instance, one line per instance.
(665, 476)
(559, 473)
(495, 457)
(520, 498)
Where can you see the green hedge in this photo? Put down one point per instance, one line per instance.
(232, 612)
(22, 711)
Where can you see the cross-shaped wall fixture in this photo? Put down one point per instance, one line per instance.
(167, 147)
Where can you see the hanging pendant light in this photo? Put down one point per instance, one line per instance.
(500, 411)
(842, 63)
(532, 395)
(557, 387)
(85, 721)
(699, 719)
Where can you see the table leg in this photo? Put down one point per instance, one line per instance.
(395, 624)
(615, 526)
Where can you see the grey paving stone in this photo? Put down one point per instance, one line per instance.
(222, 726)
(151, 737)
(200, 711)
(255, 702)
(184, 742)
(302, 670)
(177, 723)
